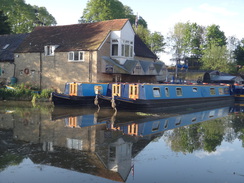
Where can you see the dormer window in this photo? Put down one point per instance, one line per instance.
(122, 48)
(49, 50)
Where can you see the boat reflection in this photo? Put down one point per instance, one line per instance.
(102, 143)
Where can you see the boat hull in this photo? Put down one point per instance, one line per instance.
(138, 104)
(63, 99)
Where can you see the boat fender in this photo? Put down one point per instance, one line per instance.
(26, 71)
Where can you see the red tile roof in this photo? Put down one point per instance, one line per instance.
(85, 36)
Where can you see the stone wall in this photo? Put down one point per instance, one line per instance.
(6, 72)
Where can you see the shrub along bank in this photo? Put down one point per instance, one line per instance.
(24, 93)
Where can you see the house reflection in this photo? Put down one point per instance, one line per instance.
(100, 143)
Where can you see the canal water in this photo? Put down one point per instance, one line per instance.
(41, 143)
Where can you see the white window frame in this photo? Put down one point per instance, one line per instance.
(49, 50)
(115, 42)
(73, 56)
(124, 48)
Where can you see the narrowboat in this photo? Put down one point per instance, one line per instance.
(238, 91)
(140, 96)
(80, 94)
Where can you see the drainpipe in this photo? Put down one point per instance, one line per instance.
(40, 71)
(90, 66)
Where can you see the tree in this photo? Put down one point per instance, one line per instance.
(215, 36)
(156, 42)
(4, 25)
(43, 17)
(239, 53)
(186, 41)
(215, 58)
(23, 17)
(100, 10)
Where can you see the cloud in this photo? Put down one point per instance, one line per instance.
(217, 10)
(218, 152)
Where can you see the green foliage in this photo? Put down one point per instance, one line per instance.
(100, 10)
(186, 40)
(214, 36)
(23, 92)
(215, 58)
(45, 93)
(156, 42)
(239, 53)
(8, 159)
(4, 24)
(23, 17)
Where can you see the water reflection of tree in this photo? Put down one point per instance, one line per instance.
(238, 126)
(206, 136)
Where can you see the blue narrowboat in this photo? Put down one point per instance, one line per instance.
(80, 94)
(150, 96)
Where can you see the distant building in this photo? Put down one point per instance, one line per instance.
(220, 77)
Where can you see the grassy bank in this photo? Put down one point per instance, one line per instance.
(24, 93)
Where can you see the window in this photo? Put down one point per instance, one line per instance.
(122, 50)
(178, 91)
(166, 123)
(156, 92)
(212, 91)
(127, 50)
(194, 89)
(98, 89)
(221, 91)
(49, 50)
(115, 47)
(76, 56)
(178, 122)
(167, 92)
(155, 125)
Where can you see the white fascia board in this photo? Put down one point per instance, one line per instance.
(104, 41)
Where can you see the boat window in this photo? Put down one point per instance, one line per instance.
(167, 92)
(72, 122)
(155, 126)
(212, 91)
(194, 89)
(133, 129)
(178, 122)
(179, 91)
(73, 89)
(211, 114)
(116, 90)
(156, 92)
(166, 124)
(221, 91)
(98, 89)
(133, 92)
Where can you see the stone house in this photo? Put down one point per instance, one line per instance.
(91, 52)
(8, 44)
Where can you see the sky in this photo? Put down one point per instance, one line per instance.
(162, 15)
